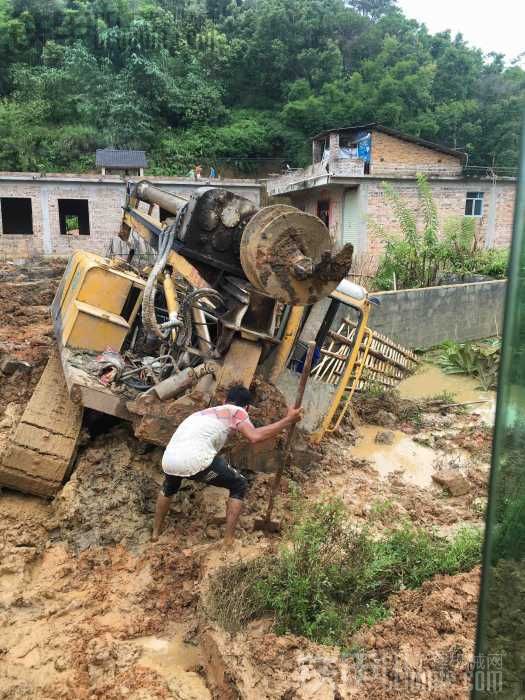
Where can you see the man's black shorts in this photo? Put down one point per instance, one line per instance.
(219, 473)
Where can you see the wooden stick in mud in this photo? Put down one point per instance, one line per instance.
(267, 525)
(441, 405)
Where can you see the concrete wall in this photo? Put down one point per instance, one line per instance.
(391, 154)
(105, 196)
(422, 318)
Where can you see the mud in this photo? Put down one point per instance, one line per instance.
(422, 651)
(90, 608)
(70, 622)
(25, 332)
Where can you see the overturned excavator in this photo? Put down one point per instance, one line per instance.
(222, 299)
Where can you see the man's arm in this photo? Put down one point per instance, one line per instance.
(269, 431)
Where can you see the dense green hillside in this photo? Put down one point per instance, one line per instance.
(228, 81)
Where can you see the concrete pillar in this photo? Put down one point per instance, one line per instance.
(47, 239)
(334, 145)
(490, 235)
(362, 196)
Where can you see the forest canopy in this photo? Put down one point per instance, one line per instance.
(236, 82)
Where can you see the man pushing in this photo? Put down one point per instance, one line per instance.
(192, 453)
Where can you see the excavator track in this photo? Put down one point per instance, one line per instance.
(40, 452)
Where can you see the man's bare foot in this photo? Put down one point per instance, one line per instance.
(155, 535)
(228, 542)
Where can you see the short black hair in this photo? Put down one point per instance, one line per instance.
(239, 395)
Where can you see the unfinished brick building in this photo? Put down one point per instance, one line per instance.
(344, 186)
(54, 214)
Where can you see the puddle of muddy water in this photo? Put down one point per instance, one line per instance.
(430, 380)
(175, 660)
(413, 460)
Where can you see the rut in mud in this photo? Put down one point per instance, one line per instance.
(89, 608)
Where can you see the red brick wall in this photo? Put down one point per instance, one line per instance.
(450, 201)
(396, 155)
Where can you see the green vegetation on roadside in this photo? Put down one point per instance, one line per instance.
(234, 83)
(332, 577)
(475, 359)
(427, 255)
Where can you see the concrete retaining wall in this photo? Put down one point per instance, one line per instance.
(422, 318)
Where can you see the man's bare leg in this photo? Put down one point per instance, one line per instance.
(233, 510)
(161, 510)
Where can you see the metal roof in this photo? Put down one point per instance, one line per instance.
(375, 126)
(112, 158)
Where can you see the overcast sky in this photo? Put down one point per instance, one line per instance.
(489, 26)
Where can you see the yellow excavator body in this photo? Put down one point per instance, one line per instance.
(96, 303)
(231, 283)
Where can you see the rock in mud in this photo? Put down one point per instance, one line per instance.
(453, 482)
(385, 437)
(385, 418)
(10, 365)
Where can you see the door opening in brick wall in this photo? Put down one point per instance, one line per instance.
(73, 215)
(17, 216)
(323, 211)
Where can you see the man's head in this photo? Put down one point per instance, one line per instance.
(239, 395)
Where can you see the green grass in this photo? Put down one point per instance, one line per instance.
(332, 577)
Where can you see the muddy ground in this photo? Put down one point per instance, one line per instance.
(90, 608)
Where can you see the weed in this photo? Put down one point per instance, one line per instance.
(381, 507)
(426, 257)
(371, 613)
(443, 397)
(332, 577)
(479, 360)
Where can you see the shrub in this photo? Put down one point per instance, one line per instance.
(479, 360)
(421, 258)
(333, 577)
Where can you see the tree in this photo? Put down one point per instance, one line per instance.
(146, 72)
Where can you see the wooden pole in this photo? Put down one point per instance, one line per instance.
(298, 402)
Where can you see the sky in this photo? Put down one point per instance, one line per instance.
(488, 26)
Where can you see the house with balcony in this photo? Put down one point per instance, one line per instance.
(344, 186)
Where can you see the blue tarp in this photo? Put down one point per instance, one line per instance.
(364, 144)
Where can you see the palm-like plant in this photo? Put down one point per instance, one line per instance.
(415, 255)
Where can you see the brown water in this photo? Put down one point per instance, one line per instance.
(175, 661)
(415, 462)
(430, 380)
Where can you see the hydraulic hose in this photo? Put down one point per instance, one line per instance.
(184, 335)
(149, 318)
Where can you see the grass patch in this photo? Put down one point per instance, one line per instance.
(443, 397)
(381, 507)
(333, 578)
